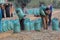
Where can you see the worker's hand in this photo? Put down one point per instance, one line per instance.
(25, 16)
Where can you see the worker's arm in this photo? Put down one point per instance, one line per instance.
(20, 13)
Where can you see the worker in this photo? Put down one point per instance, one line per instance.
(50, 15)
(21, 16)
(47, 12)
(11, 10)
(44, 12)
(7, 9)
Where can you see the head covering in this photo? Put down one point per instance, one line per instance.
(47, 9)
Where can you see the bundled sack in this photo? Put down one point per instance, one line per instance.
(16, 26)
(36, 11)
(38, 24)
(30, 11)
(4, 25)
(27, 24)
(32, 27)
(10, 25)
(55, 24)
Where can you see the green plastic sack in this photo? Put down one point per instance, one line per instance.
(27, 24)
(16, 26)
(36, 12)
(4, 26)
(30, 11)
(20, 13)
(38, 25)
(55, 24)
(0, 26)
(32, 25)
(10, 25)
(12, 21)
(40, 21)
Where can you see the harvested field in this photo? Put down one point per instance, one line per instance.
(42, 35)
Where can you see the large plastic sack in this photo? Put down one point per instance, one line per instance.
(30, 11)
(27, 24)
(36, 11)
(20, 13)
(32, 25)
(38, 25)
(10, 25)
(0, 26)
(12, 21)
(7, 25)
(55, 24)
(4, 26)
(16, 26)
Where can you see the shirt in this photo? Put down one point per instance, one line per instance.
(51, 8)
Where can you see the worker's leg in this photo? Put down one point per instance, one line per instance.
(22, 24)
(45, 22)
(2, 13)
(46, 18)
(49, 18)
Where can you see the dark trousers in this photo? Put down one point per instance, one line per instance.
(7, 13)
(22, 24)
(50, 15)
(2, 13)
(7, 9)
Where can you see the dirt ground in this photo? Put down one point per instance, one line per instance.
(56, 14)
(42, 35)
